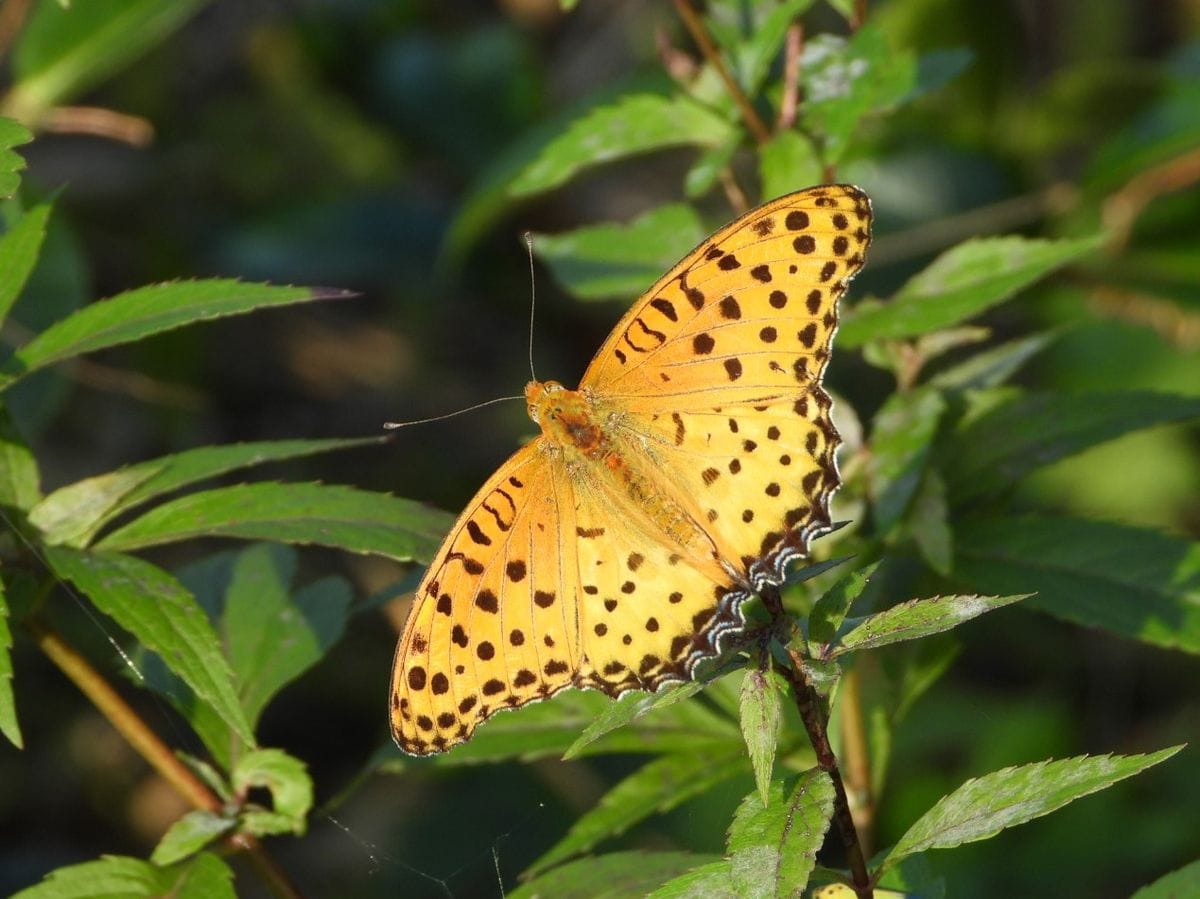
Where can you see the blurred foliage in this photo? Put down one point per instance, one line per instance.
(1018, 375)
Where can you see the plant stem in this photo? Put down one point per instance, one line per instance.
(695, 27)
(147, 743)
(858, 758)
(816, 722)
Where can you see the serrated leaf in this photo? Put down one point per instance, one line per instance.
(901, 441)
(636, 123)
(121, 877)
(918, 618)
(615, 260)
(19, 477)
(1006, 443)
(74, 513)
(761, 711)
(162, 615)
(788, 162)
(19, 249)
(8, 707)
(291, 791)
(64, 52)
(619, 875)
(773, 848)
(12, 134)
(139, 313)
(711, 881)
(984, 806)
(961, 283)
(325, 515)
(830, 610)
(1133, 582)
(1177, 885)
(71, 514)
(658, 786)
(189, 835)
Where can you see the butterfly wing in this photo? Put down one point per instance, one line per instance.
(713, 378)
(748, 313)
(493, 623)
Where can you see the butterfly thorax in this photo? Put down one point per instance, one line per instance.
(572, 423)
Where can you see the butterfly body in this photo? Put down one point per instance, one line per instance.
(695, 460)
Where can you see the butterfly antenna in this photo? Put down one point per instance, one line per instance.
(393, 425)
(532, 299)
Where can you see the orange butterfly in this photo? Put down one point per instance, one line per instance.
(695, 460)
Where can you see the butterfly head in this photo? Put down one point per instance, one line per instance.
(565, 415)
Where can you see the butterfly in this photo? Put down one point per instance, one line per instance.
(695, 461)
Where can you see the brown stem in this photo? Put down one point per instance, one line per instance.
(860, 15)
(695, 27)
(12, 19)
(733, 191)
(816, 722)
(147, 743)
(790, 102)
(99, 122)
(1123, 207)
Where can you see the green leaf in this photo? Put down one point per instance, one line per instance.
(270, 637)
(658, 786)
(636, 123)
(635, 704)
(900, 442)
(961, 283)
(19, 477)
(619, 875)
(162, 615)
(928, 523)
(8, 706)
(788, 162)
(711, 881)
(1176, 885)
(984, 806)
(19, 249)
(844, 81)
(121, 877)
(1005, 444)
(706, 170)
(139, 313)
(1134, 582)
(189, 835)
(65, 52)
(756, 55)
(614, 260)
(290, 786)
(773, 848)
(918, 618)
(73, 514)
(321, 514)
(992, 367)
(830, 610)
(12, 134)
(761, 711)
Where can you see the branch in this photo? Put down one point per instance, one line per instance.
(816, 722)
(700, 35)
